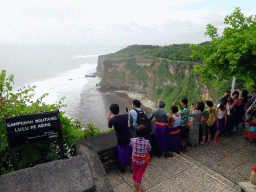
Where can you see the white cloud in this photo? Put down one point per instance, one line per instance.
(100, 21)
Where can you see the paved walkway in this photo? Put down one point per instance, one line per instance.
(205, 168)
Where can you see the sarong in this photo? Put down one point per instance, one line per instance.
(221, 125)
(174, 139)
(147, 137)
(161, 134)
(124, 153)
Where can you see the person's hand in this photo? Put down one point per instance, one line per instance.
(174, 103)
(177, 102)
(109, 113)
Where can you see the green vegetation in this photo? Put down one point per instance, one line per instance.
(141, 73)
(232, 54)
(176, 52)
(186, 87)
(133, 51)
(40, 152)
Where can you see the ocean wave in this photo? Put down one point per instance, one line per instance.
(86, 56)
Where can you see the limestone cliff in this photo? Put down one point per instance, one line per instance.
(157, 78)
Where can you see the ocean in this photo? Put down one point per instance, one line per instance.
(61, 71)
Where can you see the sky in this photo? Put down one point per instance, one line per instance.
(113, 22)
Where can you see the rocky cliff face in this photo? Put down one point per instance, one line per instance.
(146, 76)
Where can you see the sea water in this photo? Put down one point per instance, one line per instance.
(61, 72)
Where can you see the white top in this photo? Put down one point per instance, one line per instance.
(228, 107)
(177, 121)
(221, 113)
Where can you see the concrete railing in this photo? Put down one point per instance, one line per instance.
(83, 172)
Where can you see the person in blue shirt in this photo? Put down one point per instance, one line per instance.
(133, 123)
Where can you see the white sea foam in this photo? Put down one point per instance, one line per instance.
(86, 56)
(69, 85)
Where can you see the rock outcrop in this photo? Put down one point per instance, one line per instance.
(144, 75)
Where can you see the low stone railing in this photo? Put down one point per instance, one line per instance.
(83, 172)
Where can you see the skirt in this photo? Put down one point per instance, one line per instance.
(174, 139)
(124, 153)
(221, 125)
(161, 134)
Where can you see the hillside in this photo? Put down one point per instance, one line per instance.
(136, 68)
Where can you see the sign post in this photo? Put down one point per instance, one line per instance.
(32, 128)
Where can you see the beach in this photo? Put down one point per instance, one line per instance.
(95, 102)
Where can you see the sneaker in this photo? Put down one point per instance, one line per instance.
(215, 143)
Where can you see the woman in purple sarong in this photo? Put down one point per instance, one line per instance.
(161, 127)
(221, 120)
(174, 130)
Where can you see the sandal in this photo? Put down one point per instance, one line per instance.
(202, 143)
(215, 143)
(218, 141)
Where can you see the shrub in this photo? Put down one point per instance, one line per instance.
(32, 154)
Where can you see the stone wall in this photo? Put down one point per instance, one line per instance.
(73, 174)
(83, 172)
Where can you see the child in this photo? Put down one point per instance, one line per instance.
(208, 120)
(140, 155)
(221, 120)
(174, 130)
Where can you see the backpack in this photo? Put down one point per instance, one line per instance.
(142, 119)
(211, 119)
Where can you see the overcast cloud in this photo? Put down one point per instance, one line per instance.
(113, 22)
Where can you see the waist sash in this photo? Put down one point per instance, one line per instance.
(161, 123)
(193, 122)
(174, 132)
(147, 158)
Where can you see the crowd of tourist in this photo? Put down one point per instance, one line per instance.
(176, 129)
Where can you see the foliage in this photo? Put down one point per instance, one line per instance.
(176, 52)
(138, 71)
(43, 151)
(92, 130)
(185, 88)
(232, 54)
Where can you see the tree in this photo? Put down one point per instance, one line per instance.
(232, 54)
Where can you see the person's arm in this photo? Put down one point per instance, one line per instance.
(234, 104)
(149, 146)
(170, 121)
(225, 115)
(179, 105)
(108, 117)
(151, 116)
(130, 120)
(216, 117)
(249, 109)
(192, 109)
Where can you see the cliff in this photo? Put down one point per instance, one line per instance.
(156, 78)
